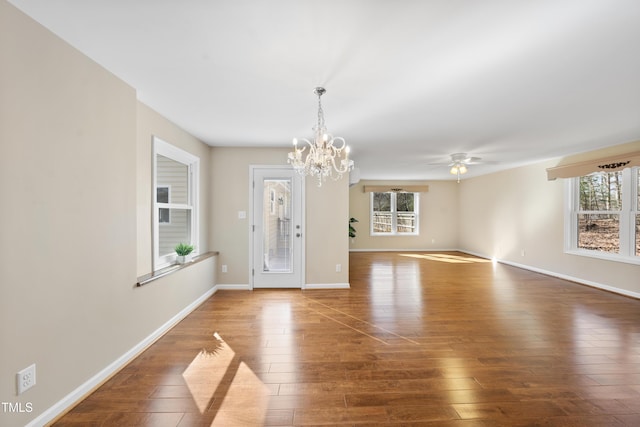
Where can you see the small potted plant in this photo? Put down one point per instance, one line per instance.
(184, 252)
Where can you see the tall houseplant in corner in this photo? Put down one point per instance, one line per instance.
(352, 230)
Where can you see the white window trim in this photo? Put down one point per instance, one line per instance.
(165, 149)
(627, 220)
(394, 217)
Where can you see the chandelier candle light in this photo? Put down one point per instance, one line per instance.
(327, 156)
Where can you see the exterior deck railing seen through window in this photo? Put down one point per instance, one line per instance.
(383, 222)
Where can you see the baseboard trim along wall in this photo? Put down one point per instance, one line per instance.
(562, 276)
(233, 287)
(408, 250)
(83, 390)
(311, 286)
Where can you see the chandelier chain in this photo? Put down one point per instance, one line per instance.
(320, 113)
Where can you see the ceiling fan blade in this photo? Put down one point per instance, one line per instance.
(471, 160)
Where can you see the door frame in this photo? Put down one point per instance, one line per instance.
(253, 240)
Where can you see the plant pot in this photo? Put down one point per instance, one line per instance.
(183, 259)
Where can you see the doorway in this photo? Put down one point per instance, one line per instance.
(277, 230)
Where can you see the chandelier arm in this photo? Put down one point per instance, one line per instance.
(344, 167)
(305, 141)
(339, 139)
(333, 164)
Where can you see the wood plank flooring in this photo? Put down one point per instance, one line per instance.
(420, 339)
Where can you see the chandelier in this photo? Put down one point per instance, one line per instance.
(328, 156)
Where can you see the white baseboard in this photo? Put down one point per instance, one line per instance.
(233, 287)
(562, 276)
(79, 393)
(311, 286)
(407, 250)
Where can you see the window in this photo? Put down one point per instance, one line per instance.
(604, 215)
(394, 213)
(175, 213)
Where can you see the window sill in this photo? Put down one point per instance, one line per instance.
(393, 234)
(148, 278)
(604, 256)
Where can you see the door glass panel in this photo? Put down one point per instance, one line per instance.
(277, 227)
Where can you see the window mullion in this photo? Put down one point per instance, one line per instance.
(571, 215)
(190, 184)
(633, 209)
(625, 214)
(174, 206)
(394, 213)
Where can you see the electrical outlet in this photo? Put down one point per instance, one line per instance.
(224, 268)
(26, 378)
(338, 268)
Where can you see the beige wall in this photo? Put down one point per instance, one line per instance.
(326, 217)
(230, 194)
(70, 135)
(327, 242)
(438, 218)
(517, 216)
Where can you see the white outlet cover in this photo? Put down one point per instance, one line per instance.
(26, 378)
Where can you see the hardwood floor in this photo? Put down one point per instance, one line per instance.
(432, 339)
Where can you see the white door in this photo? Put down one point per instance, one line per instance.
(277, 237)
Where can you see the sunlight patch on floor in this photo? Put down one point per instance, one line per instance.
(219, 382)
(204, 374)
(245, 402)
(452, 259)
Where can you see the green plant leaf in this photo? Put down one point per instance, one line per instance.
(183, 249)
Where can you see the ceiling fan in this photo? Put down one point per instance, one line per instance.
(459, 163)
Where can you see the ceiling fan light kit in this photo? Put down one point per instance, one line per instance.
(459, 162)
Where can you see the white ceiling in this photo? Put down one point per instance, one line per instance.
(408, 82)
